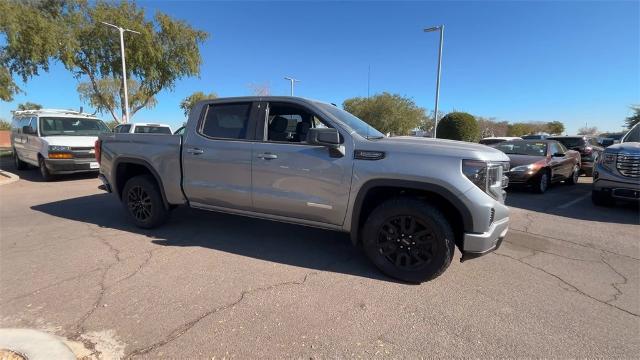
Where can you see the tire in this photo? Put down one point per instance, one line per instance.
(143, 203)
(19, 164)
(575, 175)
(401, 219)
(541, 182)
(599, 198)
(44, 172)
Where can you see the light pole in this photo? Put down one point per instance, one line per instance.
(431, 29)
(124, 67)
(292, 81)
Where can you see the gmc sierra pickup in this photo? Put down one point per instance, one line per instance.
(406, 201)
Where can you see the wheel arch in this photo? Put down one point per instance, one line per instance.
(376, 191)
(126, 168)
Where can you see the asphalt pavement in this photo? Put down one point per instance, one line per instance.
(565, 283)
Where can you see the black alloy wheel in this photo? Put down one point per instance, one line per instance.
(407, 242)
(139, 203)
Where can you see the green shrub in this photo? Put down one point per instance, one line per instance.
(458, 126)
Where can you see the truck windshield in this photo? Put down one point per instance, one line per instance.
(633, 135)
(60, 126)
(360, 127)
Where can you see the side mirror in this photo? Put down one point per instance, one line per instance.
(558, 155)
(27, 130)
(324, 137)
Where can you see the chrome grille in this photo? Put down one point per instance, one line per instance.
(83, 152)
(628, 165)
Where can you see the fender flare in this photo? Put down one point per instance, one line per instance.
(147, 165)
(467, 218)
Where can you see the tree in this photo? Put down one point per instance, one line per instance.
(108, 96)
(71, 33)
(458, 126)
(29, 106)
(519, 129)
(5, 125)
(389, 113)
(633, 119)
(489, 127)
(555, 127)
(588, 130)
(112, 124)
(187, 104)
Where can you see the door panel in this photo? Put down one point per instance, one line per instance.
(217, 170)
(300, 181)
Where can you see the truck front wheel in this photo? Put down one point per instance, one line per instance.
(143, 202)
(409, 240)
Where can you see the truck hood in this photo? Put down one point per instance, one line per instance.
(435, 147)
(74, 141)
(628, 147)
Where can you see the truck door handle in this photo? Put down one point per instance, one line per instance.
(267, 156)
(195, 151)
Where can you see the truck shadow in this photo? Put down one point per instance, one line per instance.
(572, 201)
(260, 239)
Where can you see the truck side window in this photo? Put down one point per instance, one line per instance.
(290, 123)
(227, 121)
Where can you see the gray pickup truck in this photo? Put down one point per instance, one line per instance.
(406, 201)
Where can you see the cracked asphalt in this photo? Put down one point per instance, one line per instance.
(564, 284)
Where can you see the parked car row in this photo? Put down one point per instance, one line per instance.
(62, 141)
(539, 163)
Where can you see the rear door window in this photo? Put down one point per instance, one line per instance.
(227, 121)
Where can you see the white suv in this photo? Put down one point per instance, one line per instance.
(56, 141)
(143, 128)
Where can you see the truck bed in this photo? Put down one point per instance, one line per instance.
(162, 153)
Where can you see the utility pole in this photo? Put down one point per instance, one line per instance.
(292, 81)
(124, 68)
(441, 29)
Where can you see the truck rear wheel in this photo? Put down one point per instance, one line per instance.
(409, 240)
(143, 203)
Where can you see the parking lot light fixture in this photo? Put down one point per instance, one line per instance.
(292, 81)
(441, 29)
(124, 67)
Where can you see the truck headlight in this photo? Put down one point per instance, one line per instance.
(486, 175)
(608, 160)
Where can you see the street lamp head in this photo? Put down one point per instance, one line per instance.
(431, 29)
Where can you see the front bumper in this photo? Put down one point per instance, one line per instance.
(71, 166)
(617, 186)
(478, 244)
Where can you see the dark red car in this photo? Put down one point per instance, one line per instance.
(588, 147)
(539, 163)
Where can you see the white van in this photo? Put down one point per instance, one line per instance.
(143, 128)
(56, 141)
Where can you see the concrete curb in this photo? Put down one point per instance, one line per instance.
(7, 177)
(35, 345)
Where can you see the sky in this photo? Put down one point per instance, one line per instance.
(573, 61)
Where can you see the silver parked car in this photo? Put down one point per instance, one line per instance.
(407, 201)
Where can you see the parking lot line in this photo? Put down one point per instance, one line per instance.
(574, 201)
